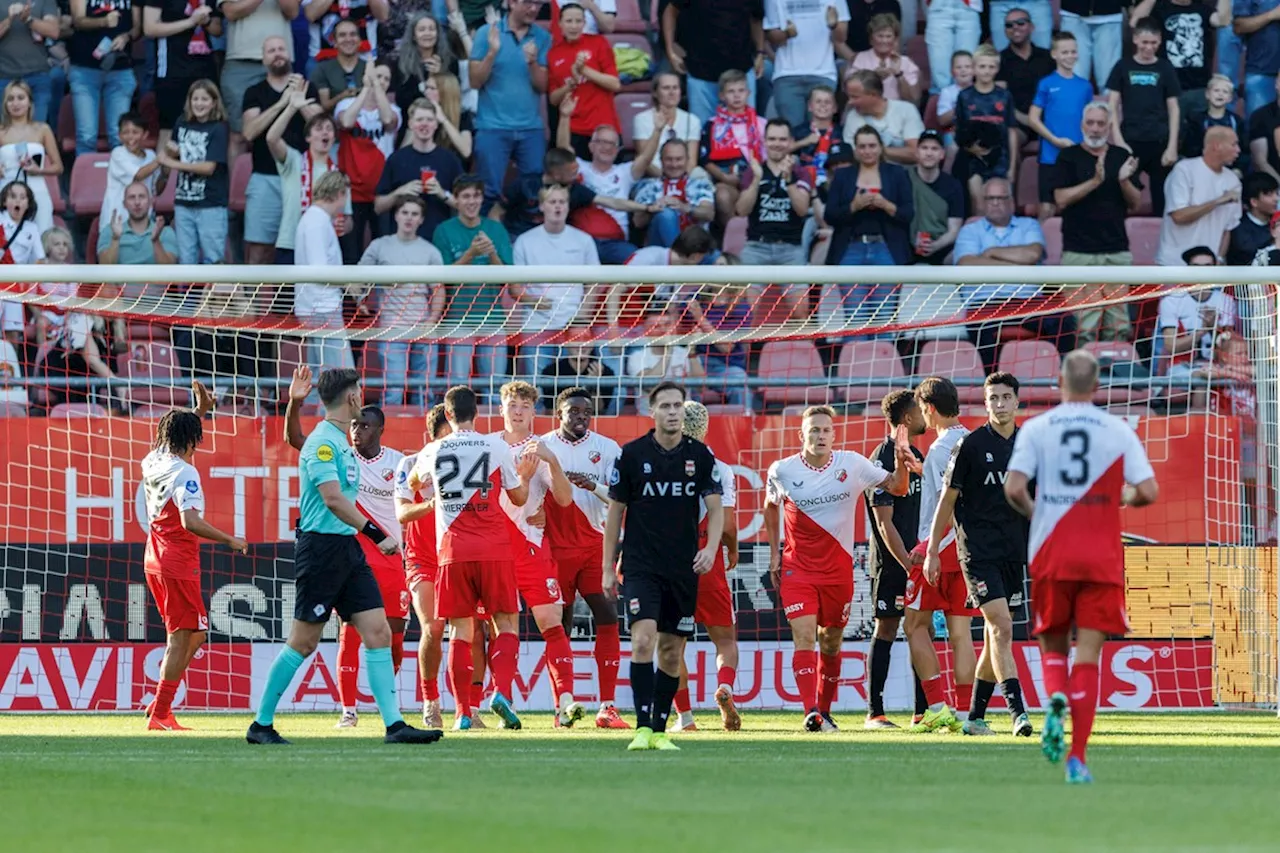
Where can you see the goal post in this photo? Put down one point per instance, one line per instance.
(78, 630)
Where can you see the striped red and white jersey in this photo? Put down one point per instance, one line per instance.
(420, 535)
(1080, 457)
(468, 471)
(171, 486)
(818, 507)
(376, 498)
(539, 485)
(580, 525)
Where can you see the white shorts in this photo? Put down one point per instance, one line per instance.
(11, 317)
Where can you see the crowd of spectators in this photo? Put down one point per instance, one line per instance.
(458, 132)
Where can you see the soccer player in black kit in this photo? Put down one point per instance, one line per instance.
(893, 523)
(654, 494)
(991, 538)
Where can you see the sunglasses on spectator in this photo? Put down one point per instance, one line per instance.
(1017, 22)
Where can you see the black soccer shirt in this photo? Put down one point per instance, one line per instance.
(906, 510)
(988, 530)
(661, 489)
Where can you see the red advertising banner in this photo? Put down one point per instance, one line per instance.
(77, 480)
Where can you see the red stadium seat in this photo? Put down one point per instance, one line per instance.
(1144, 239)
(1052, 228)
(862, 361)
(629, 19)
(91, 243)
(735, 235)
(793, 360)
(1119, 392)
(931, 115)
(918, 52)
(629, 105)
(629, 39)
(55, 194)
(241, 170)
(66, 131)
(1027, 194)
(154, 360)
(956, 360)
(78, 410)
(163, 203)
(89, 184)
(1032, 360)
(151, 412)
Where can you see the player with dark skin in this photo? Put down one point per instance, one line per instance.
(366, 437)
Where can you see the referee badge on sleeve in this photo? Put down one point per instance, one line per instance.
(324, 453)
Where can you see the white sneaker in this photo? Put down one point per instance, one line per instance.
(349, 720)
(431, 718)
(570, 711)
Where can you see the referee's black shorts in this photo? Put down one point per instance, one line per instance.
(989, 581)
(668, 598)
(330, 573)
(889, 589)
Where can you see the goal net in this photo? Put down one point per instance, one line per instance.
(1192, 367)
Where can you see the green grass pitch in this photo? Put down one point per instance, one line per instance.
(1164, 783)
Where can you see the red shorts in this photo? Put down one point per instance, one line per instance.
(830, 602)
(467, 585)
(388, 571)
(536, 576)
(715, 601)
(419, 571)
(1058, 605)
(951, 596)
(580, 572)
(180, 603)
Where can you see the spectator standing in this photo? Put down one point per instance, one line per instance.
(897, 123)
(804, 36)
(870, 208)
(24, 27)
(407, 365)
(734, 134)
(938, 200)
(1056, 115)
(183, 32)
(509, 68)
(582, 66)
(1148, 88)
(1189, 30)
(775, 202)
(544, 308)
(680, 198)
(1023, 64)
(198, 154)
(28, 150)
(299, 171)
(258, 31)
(130, 163)
(899, 76)
(325, 34)
(101, 73)
(469, 239)
(812, 140)
(136, 235)
(706, 38)
(22, 245)
(421, 168)
(341, 73)
(263, 103)
(367, 127)
(986, 130)
(425, 52)
(399, 32)
(1098, 28)
(1095, 189)
(857, 36)
(950, 26)
(1258, 23)
(1204, 200)
(318, 307)
(457, 127)
(1263, 124)
(667, 116)
(601, 15)
(1213, 112)
(1039, 26)
(1254, 231)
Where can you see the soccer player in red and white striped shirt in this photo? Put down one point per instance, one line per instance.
(175, 503)
(415, 510)
(1087, 465)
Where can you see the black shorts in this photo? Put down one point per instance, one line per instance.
(992, 581)
(889, 589)
(669, 599)
(330, 573)
(1048, 179)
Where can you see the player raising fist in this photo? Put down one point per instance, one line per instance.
(175, 501)
(1087, 464)
(815, 492)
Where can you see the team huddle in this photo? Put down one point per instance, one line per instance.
(472, 524)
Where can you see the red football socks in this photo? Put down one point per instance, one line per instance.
(964, 697)
(829, 680)
(504, 654)
(348, 664)
(681, 701)
(429, 668)
(397, 651)
(608, 654)
(559, 660)
(804, 665)
(933, 693)
(726, 675)
(1083, 696)
(1054, 666)
(164, 698)
(460, 670)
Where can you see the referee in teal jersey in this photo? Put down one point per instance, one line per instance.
(330, 571)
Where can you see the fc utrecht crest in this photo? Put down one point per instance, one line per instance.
(842, 475)
(690, 467)
(594, 456)
(388, 474)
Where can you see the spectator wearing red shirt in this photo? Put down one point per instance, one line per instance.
(583, 65)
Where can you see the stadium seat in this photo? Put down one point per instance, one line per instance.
(91, 242)
(793, 360)
(862, 361)
(1119, 391)
(241, 170)
(919, 303)
(931, 115)
(78, 410)
(1027, 195)
(162, 205)
(629, 19)
(1144, 239)
(629, 39)
(956, 360)
(55, 194)
(1052, 228)
(372, 368)
(629, 105)
(918, 52)
(735, 235)
(89, 184)
(154, 360)
(12, 410)
(1030, 360)
(151, 412)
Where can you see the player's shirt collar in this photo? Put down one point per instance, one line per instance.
(370, 459)
(528, 438)
(653, 437)
(585, 436)
(805, 462)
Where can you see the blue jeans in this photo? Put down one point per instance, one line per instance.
(202, 234)
(41, 95)
(704, 95)
(1099, 42)
(1259, 90)
(664, 228)
(733, 395)
(413, 364)
(495, 149)
(94, 90)
(490, 367)
(951, 25)
(868, 304)
(614, 251)
(1041, 12)
(1230, 49)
